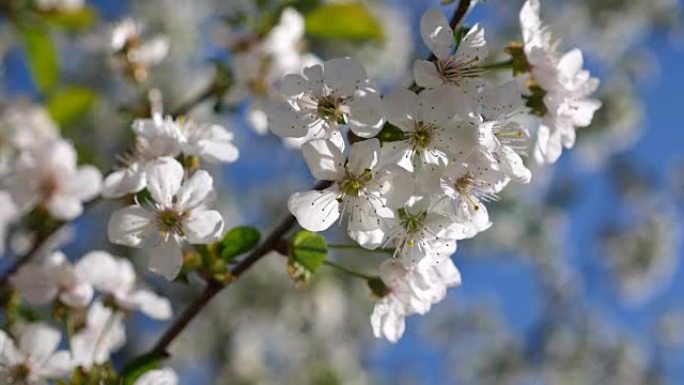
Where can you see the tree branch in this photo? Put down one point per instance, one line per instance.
(214, 287)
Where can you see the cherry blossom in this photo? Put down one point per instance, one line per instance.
(34, 358)
(55, 278)
(324, 97)
(461, 68)
(50, 179)
(176, 214)
(116, 278)
(560, 87)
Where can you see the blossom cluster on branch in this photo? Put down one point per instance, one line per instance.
(410, 171)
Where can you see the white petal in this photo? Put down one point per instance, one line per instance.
(164, 376)
(130, 226)
(166, 258)
(164, 178)
(426, 75)
(285, 121)
(571, 63)
(344, 76)
(127, 181)
(59, 365)
(324, 158)
(39, 341)
(64, 207)
(437, 105)
(9, 355)
(473, 47)
(366, 114)
(150, 303)
(78, 296)
(363, 156)
(85, 184)
(203, 226)
(436, 33)
(196, 191)
(293, 85)
(401, 107)
(512, 164)
(36, 284)
(105, 272)
(315, 210)
(217, 145)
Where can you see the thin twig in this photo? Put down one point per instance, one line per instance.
(271, 242)
(187, 106)
(214, 287)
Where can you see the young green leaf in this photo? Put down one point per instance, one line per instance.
(41, 56)
(68, 104)
(308, 250)
(237, 241)
(349, 21)
(139, 366)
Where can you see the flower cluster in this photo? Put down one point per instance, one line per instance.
(423, 163)
(259, 64)
(100, 289)
(176, 210)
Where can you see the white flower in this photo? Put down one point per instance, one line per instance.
(500, 131)
(432, 134)
(126, 37)
(24, 127)
(461, 68)
(55, 278)
(35, 358)
(178, 213)
(49, 177)
(155, 137)
(468, 185)
(411, 291)
(561, 88)
(421, 235)
(338, 91)
(356, 190)
(103, 334)
(283, 45)
(9, 212)
(165, 376)
(116, 277)
(210, 142)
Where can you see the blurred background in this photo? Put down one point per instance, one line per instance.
(579, 281)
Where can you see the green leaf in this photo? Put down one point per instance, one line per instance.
(68, 104)
(41, 56)
(139, 366)
(77, 20)
(308, 250)
(239, 240)
(390, 133)
(350, 21)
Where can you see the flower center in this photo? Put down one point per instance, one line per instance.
(452, 71)
(48, 186)
(19, 374)
(329, 108)
(352, 185)
(169, 221)
(422, 136)
(464, 186)
(535, 101)
(411, 223)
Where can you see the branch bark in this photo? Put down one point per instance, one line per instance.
(213, 287)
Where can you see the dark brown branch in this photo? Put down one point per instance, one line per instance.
(272, 242)
(188, 105)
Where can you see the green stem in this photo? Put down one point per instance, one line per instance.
(351, 272)
(357, 247)
(504, 65)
